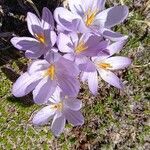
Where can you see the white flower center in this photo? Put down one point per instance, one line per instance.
(58, 106)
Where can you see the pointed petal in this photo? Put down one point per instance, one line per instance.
(25, 84)
(53, 38)
(113, 36)
(112, 16)
(50, 38)
(73, 103)
(84, 76)
(100, 4)
(93, 82)
(95, 49)
(93, 43)
(64, 66)
(116, 47)
(58, 125)
(74, 117)
(32, 20)
(69, 85)
(80, 59)
(47, 19)
(60, 29)
(69, 56)
(64, 43)
(55, 98)
(118, 62)
(94, 5)
(43, 116)
(35, 53)
(24, 43)
(76, 7)
(66, 19)
(44, 90)
(87, 4)
(91, 39)
(33, 48)
(111, 78)
(88, 66)
(116, 15)
(37, 65)
(52, 57)
(99, 58)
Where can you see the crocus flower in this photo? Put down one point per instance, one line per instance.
(104, 67)
(78, 47)
(91, 15)
(43, 76)
(43, 34)
(60, 108)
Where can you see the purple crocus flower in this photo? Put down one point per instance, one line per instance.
(104, 67)
(43, 76)
(60, 108)
(66, 20)
(43, 34)
(79, 47)
(91, 15)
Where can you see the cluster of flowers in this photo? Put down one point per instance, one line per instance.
(80, 48)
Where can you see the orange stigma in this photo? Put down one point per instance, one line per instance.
(50, 72)
(105, 66)
(40, 38)
(80, 47)
(58, 106)
(90, 17)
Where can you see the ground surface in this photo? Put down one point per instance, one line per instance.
(114, 120)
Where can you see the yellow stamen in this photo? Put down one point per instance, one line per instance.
(90, 16)
(105, 66)
(80, 47)
(40, 38)
(58, 106)
(50, 72)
